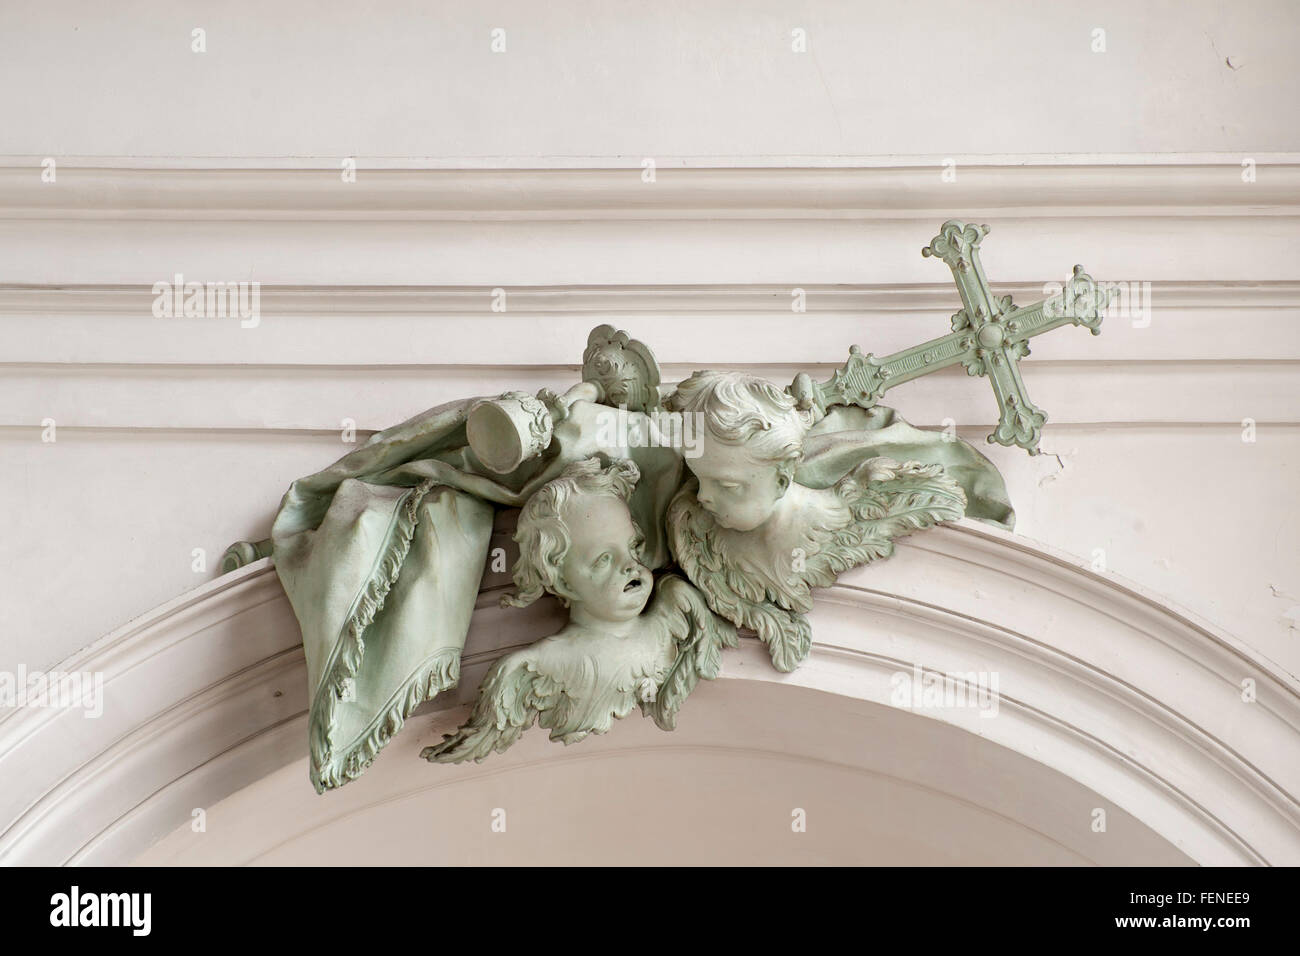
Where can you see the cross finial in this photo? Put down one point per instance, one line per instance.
(989, 337)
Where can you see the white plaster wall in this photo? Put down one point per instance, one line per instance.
(776, 170)
(181, 437)
(1107, 699)
(703, 798)
(584, 78)
(110, 520)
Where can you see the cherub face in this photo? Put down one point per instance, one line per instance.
(603, 569)
(739, 490)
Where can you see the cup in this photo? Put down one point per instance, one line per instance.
(505, 432)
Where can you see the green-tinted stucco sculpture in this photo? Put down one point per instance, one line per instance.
(989, 337)
(578, 541)
(755, 539)
(754, 493)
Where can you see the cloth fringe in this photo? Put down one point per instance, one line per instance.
(439, 673)
(346, 661)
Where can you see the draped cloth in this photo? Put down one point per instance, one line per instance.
(849, 435)
(382, 553)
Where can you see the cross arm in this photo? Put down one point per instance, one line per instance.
(1080, 302)
(990, 335)
(864, 378)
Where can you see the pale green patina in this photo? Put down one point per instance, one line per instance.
(382, 553)
(989, 337)
(578, 541)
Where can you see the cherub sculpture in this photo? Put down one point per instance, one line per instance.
(754, 539)
(577, 541)
(382, 553)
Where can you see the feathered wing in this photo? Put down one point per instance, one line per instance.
(787, 634)
(743, 600)
(888, 499)
(513, 695)
(884, 499)
(699, 634)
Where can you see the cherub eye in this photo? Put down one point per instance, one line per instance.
(603, 560)
(730, 485)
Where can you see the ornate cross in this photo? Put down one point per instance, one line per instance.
(989, 337)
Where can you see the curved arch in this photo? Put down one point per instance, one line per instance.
(1097, 682)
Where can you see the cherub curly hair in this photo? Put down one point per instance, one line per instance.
(743, 409)
(542, 535)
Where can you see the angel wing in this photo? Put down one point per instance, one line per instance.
(884, 499)
(513, 695)
(700, 636)
(739, 597)
(888, 499)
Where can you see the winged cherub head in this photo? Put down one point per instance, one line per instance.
(752, 441)
(577, 540)
(754, 540)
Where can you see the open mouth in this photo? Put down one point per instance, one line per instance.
(632, 585)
